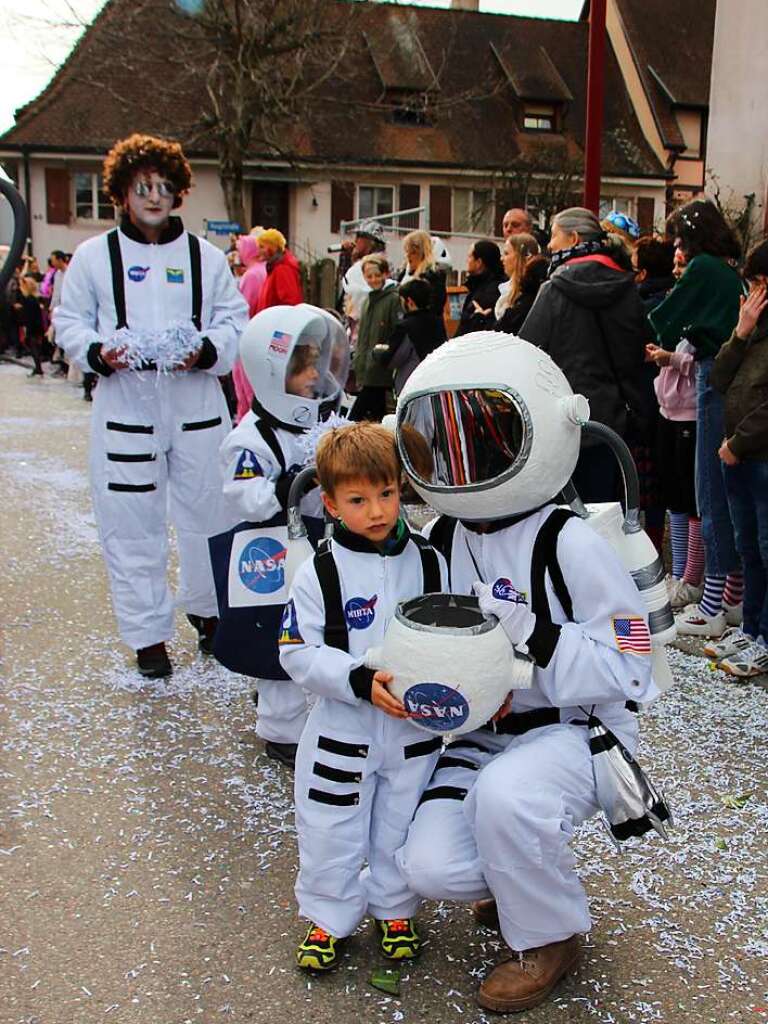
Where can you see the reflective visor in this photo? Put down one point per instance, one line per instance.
(319, 361)
(463, 438)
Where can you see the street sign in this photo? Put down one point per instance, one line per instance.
(222, 227)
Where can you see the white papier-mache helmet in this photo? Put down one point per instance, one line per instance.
(488, 427)
(281, 342)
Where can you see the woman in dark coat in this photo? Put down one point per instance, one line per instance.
(589, 318)
(485, 274)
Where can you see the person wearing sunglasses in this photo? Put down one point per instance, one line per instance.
(156, 430)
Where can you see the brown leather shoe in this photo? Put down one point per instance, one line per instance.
(487, 914)
(527, 979)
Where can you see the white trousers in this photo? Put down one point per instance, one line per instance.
(154, 455)
(282, 710)
(359, 776)
(497, 820)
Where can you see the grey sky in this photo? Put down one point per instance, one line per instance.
(36, 36)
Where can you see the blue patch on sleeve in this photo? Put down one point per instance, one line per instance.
(289, 627)
(247, 466)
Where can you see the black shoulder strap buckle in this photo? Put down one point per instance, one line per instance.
(335, 632)
(270, 439)
(196, 269)
(118, 280)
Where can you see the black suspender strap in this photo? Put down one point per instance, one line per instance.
(196, 269)
(544, 638)
(441, 537)
(118, 280)
(430, 566)
(335, 633)
(270, 439)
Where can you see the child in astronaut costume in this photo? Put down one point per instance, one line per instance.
(296, 359)
(361, 765)
(153, 435)
(496, 820)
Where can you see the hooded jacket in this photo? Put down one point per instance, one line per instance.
(589, 318)
(283, 284)
(378, 317)
(740, 372)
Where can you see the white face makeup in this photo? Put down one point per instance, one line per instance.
(149, 201)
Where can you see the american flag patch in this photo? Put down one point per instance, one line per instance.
(280, 342)
(632, 636)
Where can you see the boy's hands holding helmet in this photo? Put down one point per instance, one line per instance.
(517, 620)
(383, 699)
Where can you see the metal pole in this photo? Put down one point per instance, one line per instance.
(595, 98)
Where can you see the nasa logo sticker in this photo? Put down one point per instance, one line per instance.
(137, 274)
(436, 706)
(360, 612)
(505, 590)
(261, 565)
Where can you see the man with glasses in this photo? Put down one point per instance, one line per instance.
(156, 430)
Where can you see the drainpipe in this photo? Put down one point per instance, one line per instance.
(27, 195)
(595, 97)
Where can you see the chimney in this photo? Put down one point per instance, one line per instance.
(465, 5)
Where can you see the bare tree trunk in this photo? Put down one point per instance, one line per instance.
(231, 176)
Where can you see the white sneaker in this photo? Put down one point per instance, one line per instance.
(672, 583)
(734, 613)
(751, 661)
(731, 642)
(693, 622)
(684, 594)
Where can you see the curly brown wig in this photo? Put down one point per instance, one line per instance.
(145, 153)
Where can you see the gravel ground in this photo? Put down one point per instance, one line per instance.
(147, 849)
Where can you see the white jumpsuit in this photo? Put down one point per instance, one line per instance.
(359, 772)
(500, 810)
(154, 437)
(250, 470)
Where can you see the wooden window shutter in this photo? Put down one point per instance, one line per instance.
(57, 195)
(440, 208)
(342, 203)
(408, 198)
(645, 207)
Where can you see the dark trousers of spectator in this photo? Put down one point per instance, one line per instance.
(370, 404)
(596, 477)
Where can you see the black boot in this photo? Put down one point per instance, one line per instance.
(206, 631)
(153, 662)
(285, 753)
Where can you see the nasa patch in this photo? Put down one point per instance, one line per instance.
(137, 274)
(247, 466)
(504, 590)
(360, 612)
(436, 706)
(289, 627)
(261, 565)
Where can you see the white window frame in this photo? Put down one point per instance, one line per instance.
(628, 206)
(539, 117)
(96, 192)
(488, 212)
(375, 188)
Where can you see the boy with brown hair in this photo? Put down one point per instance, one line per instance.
(361, 765)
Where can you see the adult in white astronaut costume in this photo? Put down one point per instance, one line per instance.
(495, 823)
(265, 451)
(154, 436)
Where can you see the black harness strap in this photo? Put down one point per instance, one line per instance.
(335, 632)
(543, 560)
(270, 440)
(118, 280)
(196, 268)
(441, 537)
(430, 566)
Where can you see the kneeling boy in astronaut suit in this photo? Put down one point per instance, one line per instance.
(361, 765)
(503, 428)
(296, 359)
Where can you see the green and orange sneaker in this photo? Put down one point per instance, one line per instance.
(318, 951)
(399, 939)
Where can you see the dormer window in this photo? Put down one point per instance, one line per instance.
(539, 117)
(408, 107)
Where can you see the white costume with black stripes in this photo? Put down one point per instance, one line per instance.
(359, 772)
(154, 437)
(500, 810)
(256, 457)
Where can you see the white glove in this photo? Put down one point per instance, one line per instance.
(516, 619)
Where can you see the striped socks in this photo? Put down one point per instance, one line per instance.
(694, 566)
(712, 601)
(734, 589)
(678, 539)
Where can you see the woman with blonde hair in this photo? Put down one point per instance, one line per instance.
(526, 269)
(420, 262)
